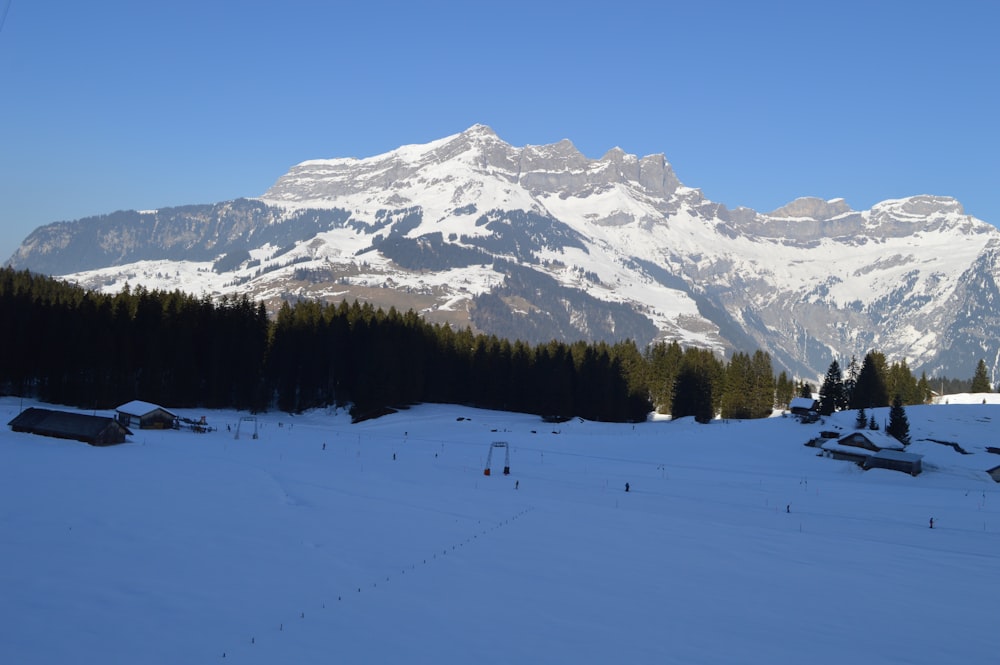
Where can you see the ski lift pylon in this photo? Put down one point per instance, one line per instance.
(506, 460)
(246, 419)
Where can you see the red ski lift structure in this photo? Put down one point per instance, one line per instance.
(506, 459)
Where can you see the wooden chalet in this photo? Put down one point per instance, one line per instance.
(145, 415)
(805, 409)
(873, 449)
(95, 430)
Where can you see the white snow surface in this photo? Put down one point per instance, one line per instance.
(384, 542)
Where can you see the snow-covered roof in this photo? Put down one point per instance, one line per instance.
(877, 437)
(139, 408)
(898, 455)
(802, 403)
(833, 446)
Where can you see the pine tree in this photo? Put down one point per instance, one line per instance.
(899, 425)
(981, 380)
(693, 395)
(831, 393)
(664, 363)
(763, 388)
(870, 390)
(851, 381)
(736, 389)
(902, 382)
(924, 389)
(872, 425)
(783, 390)
(861, 421)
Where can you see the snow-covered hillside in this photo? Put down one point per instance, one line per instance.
(322, 541)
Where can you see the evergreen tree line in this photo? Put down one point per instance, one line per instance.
(67, 345)
(324, 354)
(695, 382)
(876, 383)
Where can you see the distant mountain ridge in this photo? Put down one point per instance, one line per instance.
(540, 243)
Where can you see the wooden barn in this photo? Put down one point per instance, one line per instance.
(95, 430)
(895, 460)
(145, 416)
(805, 409)
(873, 449)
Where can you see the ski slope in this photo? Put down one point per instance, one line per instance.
(383, 542)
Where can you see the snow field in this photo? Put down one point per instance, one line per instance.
(383, 541)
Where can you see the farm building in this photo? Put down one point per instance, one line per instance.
(145, 416)
(895, 460)
(873, 449)
(805, 409)
(95, 430)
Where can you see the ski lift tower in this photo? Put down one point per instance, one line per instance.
(506, 460)
(246, 419)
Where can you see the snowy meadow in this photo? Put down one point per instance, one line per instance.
(322, 541)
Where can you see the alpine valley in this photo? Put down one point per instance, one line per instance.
(541, 243)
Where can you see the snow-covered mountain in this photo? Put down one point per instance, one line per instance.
(540, 242)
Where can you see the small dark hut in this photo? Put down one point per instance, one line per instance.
(95, 430)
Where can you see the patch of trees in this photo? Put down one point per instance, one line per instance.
(338, 354)
(70, 346)
(67, 345)
(877, 383)
(695, 382)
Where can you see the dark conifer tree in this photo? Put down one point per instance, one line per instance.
(900, 381)
(783, 390)
(981, 379)
(693, 395)
(737, 388)
(664, 363)
(763, 387)
(870, 390)
(831, 393)
(850, 381)
(923, 389)
(899, 424)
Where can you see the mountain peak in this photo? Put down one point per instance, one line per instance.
(480, 130)
(920, 206)
(811, 207)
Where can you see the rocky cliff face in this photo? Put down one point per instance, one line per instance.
(540, 242)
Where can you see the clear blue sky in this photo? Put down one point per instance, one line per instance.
(118, 104)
